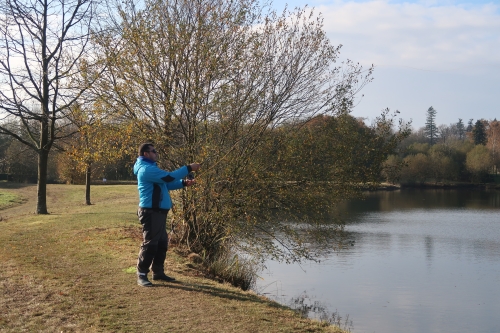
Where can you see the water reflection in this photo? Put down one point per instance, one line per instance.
(424, 199)
(311, 308)
(460, 232)
(419, 261)
(429, 247)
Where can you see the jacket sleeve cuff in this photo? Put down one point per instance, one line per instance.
(189, 168)
(183, 183)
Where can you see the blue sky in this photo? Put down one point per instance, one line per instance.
(440, 53)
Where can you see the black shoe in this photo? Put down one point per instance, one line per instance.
(162, 277)
(143, 281)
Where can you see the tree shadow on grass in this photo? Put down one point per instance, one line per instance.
(219, 292)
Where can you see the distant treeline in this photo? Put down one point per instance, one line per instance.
(18, 163)
(325, 148)
(448, 153)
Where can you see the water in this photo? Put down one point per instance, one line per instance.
(420, 261)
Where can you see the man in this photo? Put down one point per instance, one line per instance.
(154, 185)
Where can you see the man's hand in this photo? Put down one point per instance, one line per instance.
(195, 166)
(189, 182)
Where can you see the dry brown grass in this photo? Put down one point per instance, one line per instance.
(72, 271)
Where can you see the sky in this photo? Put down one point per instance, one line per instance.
(439, 53)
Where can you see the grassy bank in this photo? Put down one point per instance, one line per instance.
(73, 271)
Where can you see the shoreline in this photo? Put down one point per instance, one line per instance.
(438, 185)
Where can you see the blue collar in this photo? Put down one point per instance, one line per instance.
(145, 159)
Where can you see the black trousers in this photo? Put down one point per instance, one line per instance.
(155, 240)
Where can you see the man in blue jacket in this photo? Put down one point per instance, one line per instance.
(153, 184)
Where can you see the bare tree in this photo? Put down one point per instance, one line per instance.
(43, 47)
(447, 132)
(207, 81)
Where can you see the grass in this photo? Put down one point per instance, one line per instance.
(234, 270)
(9, 198)
(73, 271)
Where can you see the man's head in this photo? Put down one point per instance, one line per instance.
(148, 151)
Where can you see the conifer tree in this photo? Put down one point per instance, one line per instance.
(431, 130)
(479, 133)
(460, 129)
(470, 126)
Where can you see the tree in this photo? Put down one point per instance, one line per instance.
(21, 163)
(5, 143)
(443, 163)
(43, 46)
(430, 125)
(460, 129)
(417, 170)
(210, 81)
(479, 162)
(98, 138)
(328, 149)
(392, 169)
(416, 137)
(470, 125)
(416, 148)
(493, 143)
(479, 133)
(446, 132)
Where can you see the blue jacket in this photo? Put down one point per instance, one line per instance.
(154, 183)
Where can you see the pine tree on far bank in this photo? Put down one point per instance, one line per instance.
(470, 126)
(461, 129)
(431, 130)
(479, 133)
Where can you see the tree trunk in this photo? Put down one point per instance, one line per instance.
(41, 205)
(88, 173)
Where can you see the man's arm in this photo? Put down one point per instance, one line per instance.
(176, 183)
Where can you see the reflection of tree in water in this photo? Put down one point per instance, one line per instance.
(309, 308)
(406, 199)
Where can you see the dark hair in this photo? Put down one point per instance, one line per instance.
(144, 148)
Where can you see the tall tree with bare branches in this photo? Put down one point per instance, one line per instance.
(43, 47)
(208, 81)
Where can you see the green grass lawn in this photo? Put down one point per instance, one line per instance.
(73, 271)
(9, 199)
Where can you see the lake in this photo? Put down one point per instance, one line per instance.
(418, 261)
